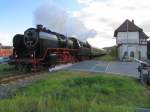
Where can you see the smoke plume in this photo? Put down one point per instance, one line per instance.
(58, 20)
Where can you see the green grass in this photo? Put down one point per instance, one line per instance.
(5, 67)
(78, 92)
(106, 58)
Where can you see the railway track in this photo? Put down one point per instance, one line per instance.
(6, 79)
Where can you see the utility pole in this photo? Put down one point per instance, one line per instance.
(127, 41)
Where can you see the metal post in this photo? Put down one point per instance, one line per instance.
(142, 75)
(148, 77)
(127, 41)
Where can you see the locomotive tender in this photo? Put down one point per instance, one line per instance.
(42, 47)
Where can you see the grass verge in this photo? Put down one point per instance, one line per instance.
(78, 92)
(106, 58)
(5, 68)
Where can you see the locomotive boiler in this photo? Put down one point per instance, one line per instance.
(37, 40)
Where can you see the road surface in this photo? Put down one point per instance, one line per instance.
(122, 68)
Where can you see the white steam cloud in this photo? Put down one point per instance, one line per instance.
(58, 20)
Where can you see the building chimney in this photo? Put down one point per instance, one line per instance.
(133, 21)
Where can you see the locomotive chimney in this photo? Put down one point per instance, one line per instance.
(39, 27)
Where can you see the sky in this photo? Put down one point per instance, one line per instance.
(91, 20)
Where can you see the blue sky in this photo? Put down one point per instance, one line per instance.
(16, 15)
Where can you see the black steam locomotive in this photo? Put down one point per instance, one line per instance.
(42, 47)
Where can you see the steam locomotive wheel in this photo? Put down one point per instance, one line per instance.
(27, 68)
(20, 67)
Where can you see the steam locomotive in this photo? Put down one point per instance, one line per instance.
(42, 47)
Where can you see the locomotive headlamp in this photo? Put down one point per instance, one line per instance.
(32, 55)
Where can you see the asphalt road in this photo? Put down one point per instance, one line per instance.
(122, 68)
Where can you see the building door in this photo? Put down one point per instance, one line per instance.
(125, 56)
(132, 54)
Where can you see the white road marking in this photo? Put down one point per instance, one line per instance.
(107, 67)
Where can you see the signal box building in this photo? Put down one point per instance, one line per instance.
(131, 41)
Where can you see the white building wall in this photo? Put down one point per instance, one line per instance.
(130, 37)
(132, 48)
(143, 50)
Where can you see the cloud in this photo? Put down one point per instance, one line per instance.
(105, 16)
(101, 42)
(88, 2)
(57, 19)
(5, 38)
(146, 25)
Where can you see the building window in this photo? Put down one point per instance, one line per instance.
(132, 54)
